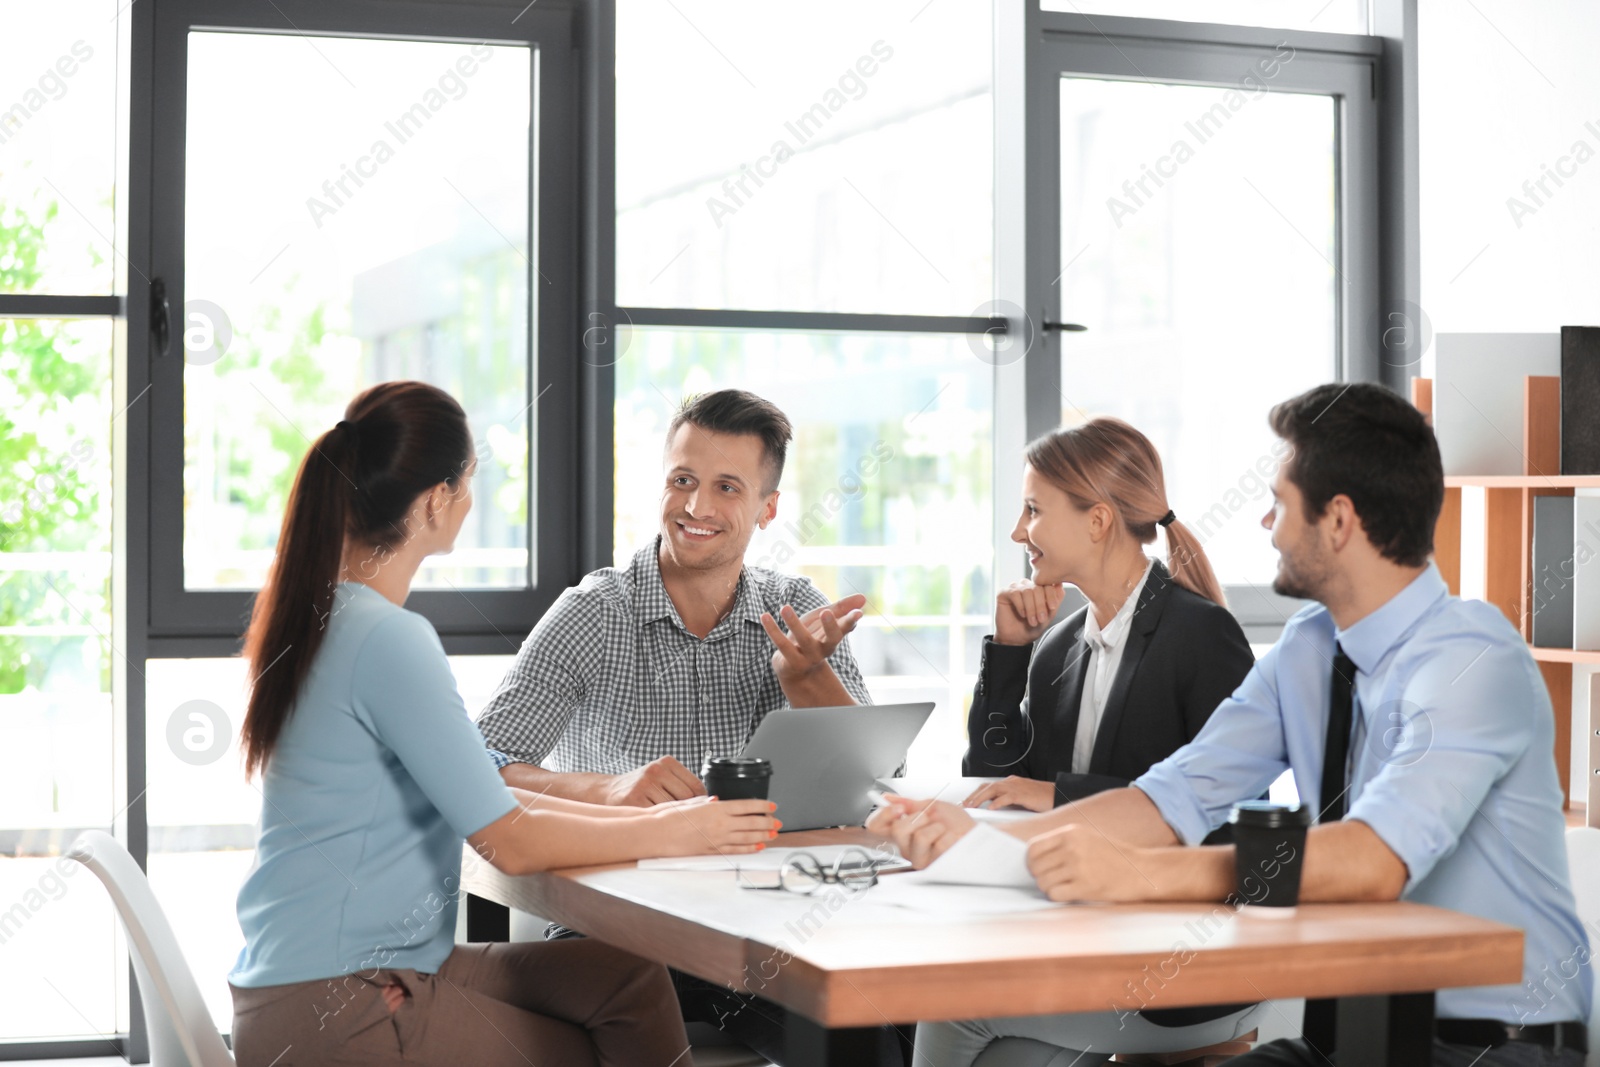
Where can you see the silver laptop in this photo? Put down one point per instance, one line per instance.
(826, 761)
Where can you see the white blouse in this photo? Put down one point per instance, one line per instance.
(1105, 655)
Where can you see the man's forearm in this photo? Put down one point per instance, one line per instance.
(1347, 860)
(1126, 816)
(587, 788)
(818, 688)
(1178, 872)
(1342, 861)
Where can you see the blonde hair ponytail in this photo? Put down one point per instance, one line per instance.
(1188, 563)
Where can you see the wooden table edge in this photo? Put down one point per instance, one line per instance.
(874, 995)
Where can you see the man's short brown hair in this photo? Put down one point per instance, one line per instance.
(735, 411)
(1371, 445)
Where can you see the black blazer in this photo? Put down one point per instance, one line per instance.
(1184, 655)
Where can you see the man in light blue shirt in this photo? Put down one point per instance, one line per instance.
(1449, 795)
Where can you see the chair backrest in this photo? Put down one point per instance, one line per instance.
(180, 1027)
(1583, 860)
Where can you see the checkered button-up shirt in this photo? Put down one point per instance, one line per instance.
(610, 679)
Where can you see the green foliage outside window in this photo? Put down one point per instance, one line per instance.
(53, 381)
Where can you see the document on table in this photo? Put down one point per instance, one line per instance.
(887, 858)
(985, 873)
(984, 856)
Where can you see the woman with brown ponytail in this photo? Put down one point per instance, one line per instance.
(372, 777)
(1092, 703)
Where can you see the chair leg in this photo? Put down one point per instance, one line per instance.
(1209, 1056)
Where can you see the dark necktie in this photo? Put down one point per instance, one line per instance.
(1320, 1023)
(1341, 710)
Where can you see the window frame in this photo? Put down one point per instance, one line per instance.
(599, 501)
(1035, 49)
(210, 622)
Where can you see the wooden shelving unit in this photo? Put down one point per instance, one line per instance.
(1565, 655)
(1524, 481)
(1578, 814)
(1508, 549)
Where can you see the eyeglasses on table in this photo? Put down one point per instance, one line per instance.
(855, 869)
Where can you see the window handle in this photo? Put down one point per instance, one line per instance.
(160, 317)
(1065, 327)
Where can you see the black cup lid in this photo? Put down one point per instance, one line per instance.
(1264, 814)
(737, 767)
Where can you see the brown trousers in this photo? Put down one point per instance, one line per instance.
(549, 1004)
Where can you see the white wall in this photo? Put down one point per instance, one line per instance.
(1507, 88)
(1509, 91)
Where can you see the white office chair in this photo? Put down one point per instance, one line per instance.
(1583, 860)
(180, 1027)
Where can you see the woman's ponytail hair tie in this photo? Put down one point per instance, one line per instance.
(1167, 520)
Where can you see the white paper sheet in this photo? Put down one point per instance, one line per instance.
(985, 855)
(984, 873)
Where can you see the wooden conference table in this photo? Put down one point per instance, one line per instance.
(845, 971)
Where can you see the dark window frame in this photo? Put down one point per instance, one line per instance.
(210, 622)
(1364, 73)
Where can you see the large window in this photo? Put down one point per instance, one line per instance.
(839, 186)
(384, 213)
(58, 658)
(58, 144)
(388, 238)
(399, 206)
(313, 205)
(1210, 215)
(57, 663)
(1223, 258)
(830, 158)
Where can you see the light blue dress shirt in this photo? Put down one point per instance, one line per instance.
(376, 780)
(1450, 765)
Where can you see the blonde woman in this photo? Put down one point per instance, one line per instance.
(1064, 711)
(1070, 709)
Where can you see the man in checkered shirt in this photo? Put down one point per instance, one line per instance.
(638, 674)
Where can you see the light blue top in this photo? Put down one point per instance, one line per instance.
(1450, 765)
(376, 780)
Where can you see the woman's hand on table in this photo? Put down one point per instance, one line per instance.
(1027, 793)
(923, 830)
(704, 825)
